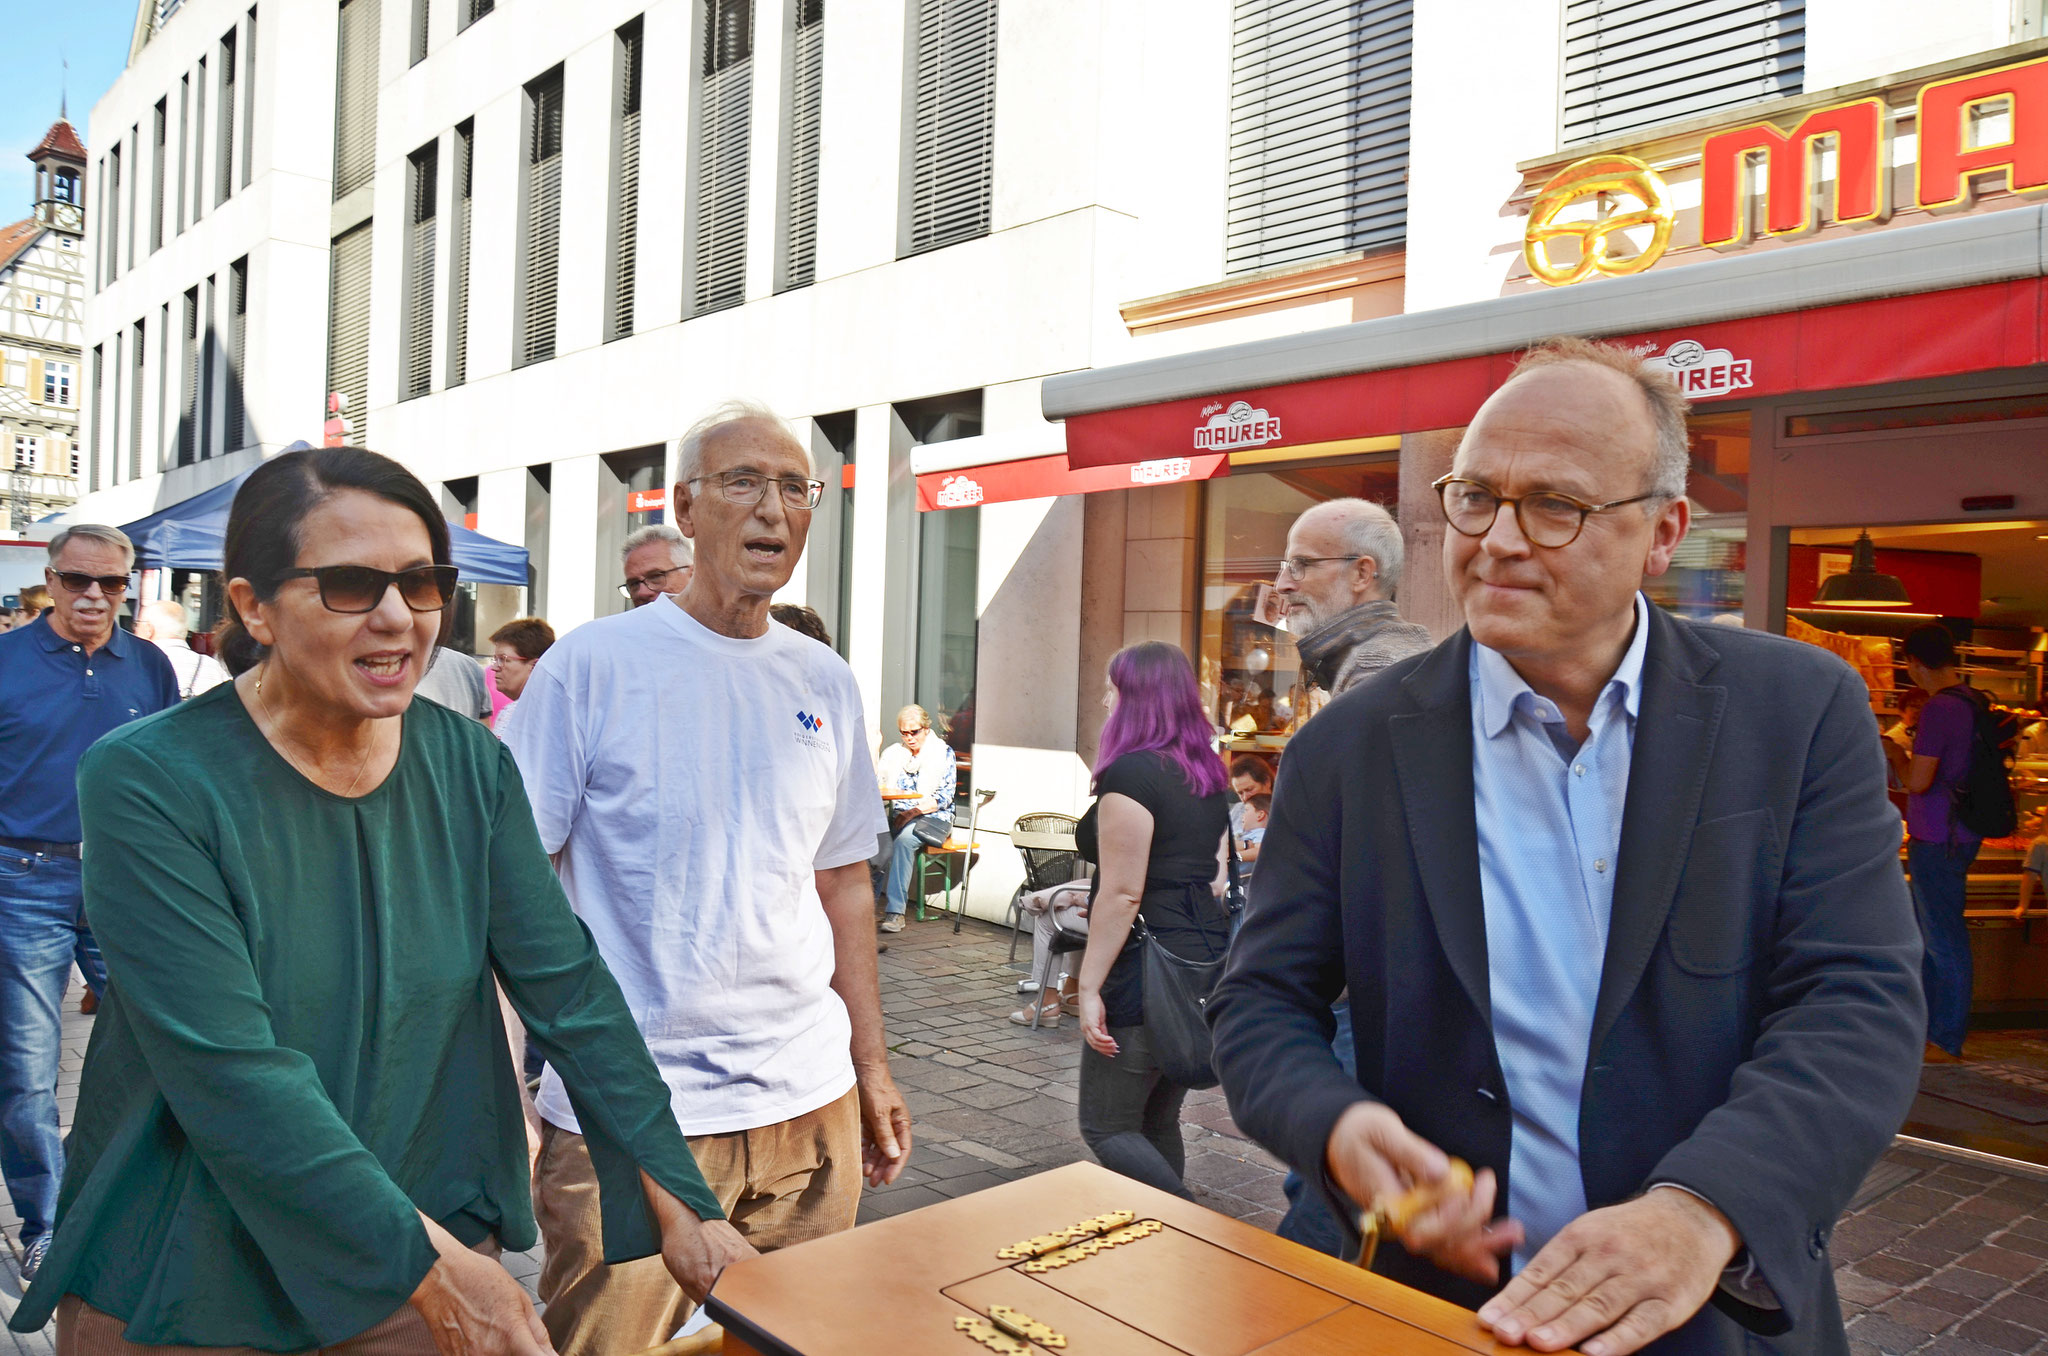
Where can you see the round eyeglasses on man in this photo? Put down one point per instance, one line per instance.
(1548, 518)
(750, 487)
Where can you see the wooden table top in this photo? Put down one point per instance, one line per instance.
(1054, 842)
(903, 795)
(1202, 1284)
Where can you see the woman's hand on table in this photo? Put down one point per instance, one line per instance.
(694, 1249)
(473, 1307)
(697, 1251)
(1095, 1023)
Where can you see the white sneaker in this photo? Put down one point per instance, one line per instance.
(892, 922)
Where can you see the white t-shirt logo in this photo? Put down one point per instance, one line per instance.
(811, 725)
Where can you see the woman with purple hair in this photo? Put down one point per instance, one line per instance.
(1155, 833)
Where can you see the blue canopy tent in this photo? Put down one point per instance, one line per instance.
(189, 534)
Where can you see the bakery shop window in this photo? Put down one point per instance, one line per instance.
(1705, 581)
(1250, 673)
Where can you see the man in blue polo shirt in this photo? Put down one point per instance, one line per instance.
(66, 678)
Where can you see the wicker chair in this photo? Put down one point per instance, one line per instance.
(1043, 867)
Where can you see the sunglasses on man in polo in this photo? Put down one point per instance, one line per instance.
(358, 588)
(112, 585)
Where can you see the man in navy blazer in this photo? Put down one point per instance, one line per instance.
(1618, 903)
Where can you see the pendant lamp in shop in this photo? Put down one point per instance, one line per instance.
(1861, 585)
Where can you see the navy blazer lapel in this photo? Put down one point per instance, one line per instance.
(1674, 745)
(1433, 763)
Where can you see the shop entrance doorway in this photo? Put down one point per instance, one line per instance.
(1987, 584)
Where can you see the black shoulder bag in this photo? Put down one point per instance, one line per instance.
(1177, 998)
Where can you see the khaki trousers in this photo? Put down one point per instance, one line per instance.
(781, 1184)
(85, 1331)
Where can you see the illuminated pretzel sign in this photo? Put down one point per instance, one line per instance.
(1950, 116)
(1598, 177)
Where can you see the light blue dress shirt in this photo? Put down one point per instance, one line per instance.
(1549, 819)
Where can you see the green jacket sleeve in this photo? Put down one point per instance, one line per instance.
(574, 1012)
(345, 1243)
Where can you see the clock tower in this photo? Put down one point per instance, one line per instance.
(60, 179)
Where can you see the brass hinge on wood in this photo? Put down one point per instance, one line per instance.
(1060, 1238)
(1008, 1331)
(1020, 1324)
(1088, 1247)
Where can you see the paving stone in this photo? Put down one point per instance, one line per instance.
(901, 1201)
(992, 1095)
(1938, 1296)
(1888, 1335)
(1967, 1172)
(962, 1186)
(2019, 1242)
(1223, 1172)
(1924, 1318)
(1978, 1284)
(1997, 1333)
(2015, 1266)
(922, 1103)
(1956, 1345)
(2027, 1310)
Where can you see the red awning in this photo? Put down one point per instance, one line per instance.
(1863, 343)
(1042, 477)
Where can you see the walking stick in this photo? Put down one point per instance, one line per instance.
(981, 798)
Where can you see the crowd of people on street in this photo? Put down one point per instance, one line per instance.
(1540, 898)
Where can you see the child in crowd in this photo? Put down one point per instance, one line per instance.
(1257, 809)
(2035, 866)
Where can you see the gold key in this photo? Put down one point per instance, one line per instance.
(1394, 1215)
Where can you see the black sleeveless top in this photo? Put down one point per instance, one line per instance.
(1178, 907)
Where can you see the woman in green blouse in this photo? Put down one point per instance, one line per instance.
(299, 1126)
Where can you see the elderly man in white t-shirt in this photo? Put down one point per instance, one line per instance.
(923, 766)
(162, 623)
(714, 835)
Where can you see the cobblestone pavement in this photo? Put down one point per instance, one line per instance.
(1937, 1255)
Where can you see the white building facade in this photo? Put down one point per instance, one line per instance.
(529, 243)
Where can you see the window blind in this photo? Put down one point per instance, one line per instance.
(626, 183)
(134, 199)
(188, 402)
(224, 151)
(98, 433)
(806, 115)
(158, 134)
(423, 169)
(249, 103)
(348, 326)
(355, 97)
(140, 349)
(111, 213)
(1319, 99)
(208, 348)
(419, 31)
(1633, 63)
(724, 108)
(184, 140)
(543, 190)
(458, 263)
(166, 426)
(472, 10)
(953, 146)
(199, 144)
(237, 431)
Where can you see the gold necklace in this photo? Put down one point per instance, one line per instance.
(264, 702)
